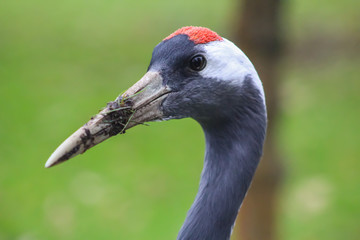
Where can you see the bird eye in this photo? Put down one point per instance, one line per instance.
(198, 63)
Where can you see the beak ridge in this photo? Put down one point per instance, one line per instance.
(139, 104)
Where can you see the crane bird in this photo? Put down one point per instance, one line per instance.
(198, 74)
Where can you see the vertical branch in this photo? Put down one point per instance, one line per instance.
(258, 33)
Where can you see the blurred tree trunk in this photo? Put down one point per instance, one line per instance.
(257, 31)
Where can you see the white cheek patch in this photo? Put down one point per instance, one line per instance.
(226, 62)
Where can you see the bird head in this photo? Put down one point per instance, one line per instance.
(193, 73)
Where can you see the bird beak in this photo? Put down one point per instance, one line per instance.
(139, 104)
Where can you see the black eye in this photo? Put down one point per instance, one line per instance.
(198, 63)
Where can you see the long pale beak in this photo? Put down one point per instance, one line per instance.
(139, 104)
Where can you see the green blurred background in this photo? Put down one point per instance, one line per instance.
(61, 61)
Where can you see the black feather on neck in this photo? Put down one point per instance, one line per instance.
(234, 144)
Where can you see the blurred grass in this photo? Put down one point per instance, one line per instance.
(60, 62)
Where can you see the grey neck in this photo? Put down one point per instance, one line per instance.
(233, 151)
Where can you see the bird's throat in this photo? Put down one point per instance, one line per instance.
(233, 151)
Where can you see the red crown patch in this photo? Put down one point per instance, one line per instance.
(199, 35)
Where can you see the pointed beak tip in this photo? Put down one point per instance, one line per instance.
(50, 162)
